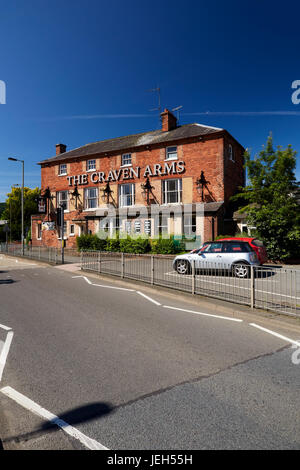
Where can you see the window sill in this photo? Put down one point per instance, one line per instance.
(90, 171)
(63, 174)
(127, 165)
(170, 159)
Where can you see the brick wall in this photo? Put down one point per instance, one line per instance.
(209, 155)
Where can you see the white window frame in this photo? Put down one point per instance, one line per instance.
(72, 234)
(61, 201)
(88, 199)
(178, 191)
(123, 196)
(125, 157)
(163, 224)
(60, 172)
(189, 228)
(171, 154)
(91, 166)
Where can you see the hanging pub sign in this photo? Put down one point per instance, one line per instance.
(41, 205)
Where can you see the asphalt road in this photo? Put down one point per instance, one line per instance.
(131, 373)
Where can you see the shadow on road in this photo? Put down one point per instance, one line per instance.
(7, 281)
(71, 417)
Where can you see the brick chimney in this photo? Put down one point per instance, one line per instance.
(169, 121)
(60, 148)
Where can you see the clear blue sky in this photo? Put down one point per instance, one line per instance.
(67, 63)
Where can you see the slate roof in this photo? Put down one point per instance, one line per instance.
(135, 141)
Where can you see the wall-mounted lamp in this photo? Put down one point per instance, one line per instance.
(201, 183)
(147, 190)
(106, 193)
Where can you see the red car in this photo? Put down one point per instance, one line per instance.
(256, 244)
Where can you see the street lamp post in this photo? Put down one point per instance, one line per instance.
(22, 199)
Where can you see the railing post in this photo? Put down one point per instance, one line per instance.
(152, 270)
(39, 252)
(193, 276)
(99, 262)
(81, 259)
(252, 286)
(122, 265)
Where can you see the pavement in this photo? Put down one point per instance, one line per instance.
(96, 362)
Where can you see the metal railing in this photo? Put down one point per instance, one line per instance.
(42, 253)
(269, 288)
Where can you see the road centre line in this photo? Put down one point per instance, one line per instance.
(285, 338)
(204, 314)
(149, 298)
(39, 411)
(5, 351)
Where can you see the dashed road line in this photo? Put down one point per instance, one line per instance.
(30, 405)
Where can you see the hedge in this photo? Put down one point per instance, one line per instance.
(129, 244)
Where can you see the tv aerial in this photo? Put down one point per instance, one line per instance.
(177, 110)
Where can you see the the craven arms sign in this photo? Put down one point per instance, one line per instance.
(172, 168)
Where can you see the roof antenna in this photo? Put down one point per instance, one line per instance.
(178, 108)
(156, 90)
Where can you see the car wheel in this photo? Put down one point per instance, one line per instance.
(241, 270)
(183, 267)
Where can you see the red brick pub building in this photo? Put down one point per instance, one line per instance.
(140, 184)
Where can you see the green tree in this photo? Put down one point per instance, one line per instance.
(13, 210)
(271, 203)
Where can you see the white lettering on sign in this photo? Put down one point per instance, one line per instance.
(96, 177)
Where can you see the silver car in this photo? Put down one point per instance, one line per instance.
(234, 256)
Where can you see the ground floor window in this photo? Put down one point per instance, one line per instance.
(147, 227)
(189, 225)
(163, 226)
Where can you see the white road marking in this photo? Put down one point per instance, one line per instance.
(5, 351)
(7, 328)
(148, 298)
(205, 314)
(101, 285)
(39, 411)
(285, 338)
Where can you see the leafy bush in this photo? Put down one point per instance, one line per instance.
(164, 246)
(90, 242)
(135, 245)
(113, 244)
